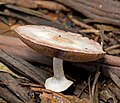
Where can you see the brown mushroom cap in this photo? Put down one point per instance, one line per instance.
(60, 44)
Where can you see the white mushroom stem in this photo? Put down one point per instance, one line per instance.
(58, 82)
(58, 68)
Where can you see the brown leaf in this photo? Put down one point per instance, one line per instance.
(74, 99)
(4, 68)
(51, 98)
(46, 98)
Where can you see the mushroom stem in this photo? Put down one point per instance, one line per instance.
(58, 68)
(58, 82)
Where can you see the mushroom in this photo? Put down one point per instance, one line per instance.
(61, 46)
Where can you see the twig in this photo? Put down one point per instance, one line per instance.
(79, 95)
(79, 23)
(114, 52)
(22, 67)
(102, 35)
(90, 92)
(98, 11)
(112, 47)
(115, 78)
(94, 86)
(96, 32)
(28, 11)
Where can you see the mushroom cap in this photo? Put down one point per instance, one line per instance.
(60, 44)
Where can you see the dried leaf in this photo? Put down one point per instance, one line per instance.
(2, 101)
(4, 68)
(46, 98)
(50, 98)
(74, 99)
